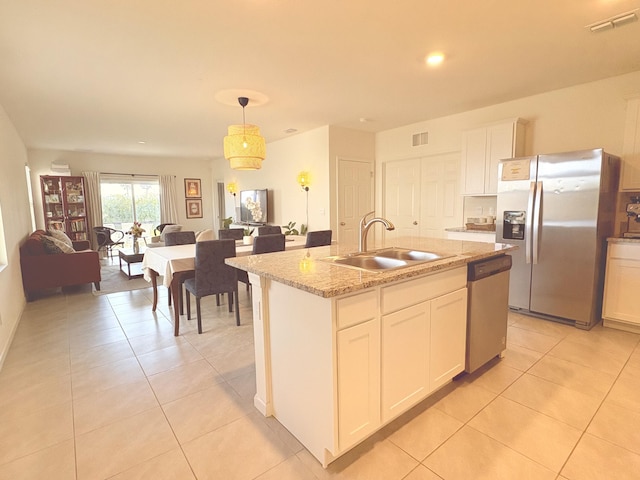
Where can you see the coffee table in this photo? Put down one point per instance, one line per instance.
(128, 256)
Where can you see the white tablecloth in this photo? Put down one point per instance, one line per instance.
(168, 260)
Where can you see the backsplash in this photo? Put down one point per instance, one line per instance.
(479, 206)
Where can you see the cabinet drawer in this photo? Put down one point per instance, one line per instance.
(630, 251)
(411, 292)
(356, 309)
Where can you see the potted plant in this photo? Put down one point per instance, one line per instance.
(247, 239)
(289, 229)
(226, 222)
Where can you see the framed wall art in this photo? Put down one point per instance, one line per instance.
(194, 208)
(192, 188)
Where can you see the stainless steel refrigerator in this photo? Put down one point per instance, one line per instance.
(559, 210)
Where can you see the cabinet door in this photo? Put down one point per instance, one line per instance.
(448, 337)
(474, 147)
(630, 179)
(500, 142)
(405, 359)
(621, 290)
(52, 203)
(358, 351)
(75, 207)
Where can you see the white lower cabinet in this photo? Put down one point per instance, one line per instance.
(358, 351)
(405, 337)
(622, 284)
(448, 337)
(351, 364)
(423, 348)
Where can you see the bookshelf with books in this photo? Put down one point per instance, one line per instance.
(64, 205)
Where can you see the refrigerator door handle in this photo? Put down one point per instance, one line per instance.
(536, 222)
(527, 234)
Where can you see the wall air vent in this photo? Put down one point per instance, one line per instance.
(420, 139)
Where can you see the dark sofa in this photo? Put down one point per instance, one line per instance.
(42, 270)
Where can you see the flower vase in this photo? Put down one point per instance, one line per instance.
(247, 240)
(136, 246)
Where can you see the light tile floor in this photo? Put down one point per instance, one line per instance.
(97, 387)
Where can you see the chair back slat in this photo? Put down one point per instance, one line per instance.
(269, 230)
(234, 233)
(179, 238)
(318, 238)
(268, 243)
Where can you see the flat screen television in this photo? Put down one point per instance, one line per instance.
(254, 206)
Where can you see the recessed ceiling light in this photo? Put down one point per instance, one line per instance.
(434, 59)
(142, 142)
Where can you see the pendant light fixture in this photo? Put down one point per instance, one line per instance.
(244, 147)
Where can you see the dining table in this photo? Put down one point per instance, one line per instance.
(176, 263)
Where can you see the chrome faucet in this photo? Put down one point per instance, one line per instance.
(365, 226)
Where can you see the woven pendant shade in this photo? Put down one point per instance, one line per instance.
(244, 147)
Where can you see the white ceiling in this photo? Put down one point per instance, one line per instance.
(104, 75)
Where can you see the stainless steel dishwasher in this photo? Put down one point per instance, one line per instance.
(487, 310)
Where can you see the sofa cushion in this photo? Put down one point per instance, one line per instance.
(51, 245)
(61, 236)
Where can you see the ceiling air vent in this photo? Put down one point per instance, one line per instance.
(420, 139)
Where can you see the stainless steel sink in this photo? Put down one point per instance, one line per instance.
(406, 254)
(367, 262)
(385, 259)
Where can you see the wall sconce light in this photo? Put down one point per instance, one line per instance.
(232, 188)
(304, 181)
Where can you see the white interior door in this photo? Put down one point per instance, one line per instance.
(440, 202)
(355, 179)
(402, 197)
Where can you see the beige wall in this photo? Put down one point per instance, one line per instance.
(15, 226)
(585, 116)
(316, 152)
(40, 163)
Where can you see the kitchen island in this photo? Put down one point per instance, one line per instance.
(340, 352)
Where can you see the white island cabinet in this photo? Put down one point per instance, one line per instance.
(340, 352)
(336, 369)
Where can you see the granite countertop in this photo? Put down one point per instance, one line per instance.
(623, 240)
(304, 270)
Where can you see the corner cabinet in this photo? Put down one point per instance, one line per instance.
(630, 178)
(622, 284)
(64, 205)
(483, 148)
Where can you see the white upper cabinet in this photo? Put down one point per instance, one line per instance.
(483, 148)
(630, 179)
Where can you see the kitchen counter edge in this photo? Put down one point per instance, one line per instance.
(303, 269)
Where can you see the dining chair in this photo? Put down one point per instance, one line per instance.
(213, 276)
(269, 230)
(234, 233)
(180, 238)
(105, 238)
(318, 238)
(268, 243)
